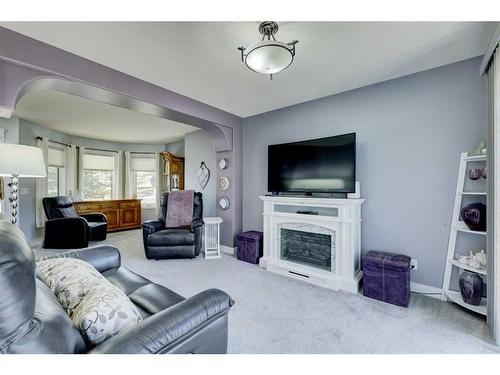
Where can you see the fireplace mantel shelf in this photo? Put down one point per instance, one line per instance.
(339, 219)
(312, 200)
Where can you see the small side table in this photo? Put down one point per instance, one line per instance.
(212, 237)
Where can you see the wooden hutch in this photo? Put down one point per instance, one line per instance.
(173, 172)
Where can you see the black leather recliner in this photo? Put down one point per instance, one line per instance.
(162, 243)
(65, 229)
(32, 320)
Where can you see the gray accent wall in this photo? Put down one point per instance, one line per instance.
(410, 133)
(176, 148)
(11, 127)
(199, 147)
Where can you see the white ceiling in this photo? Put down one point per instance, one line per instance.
(200, 59)
(87, 118)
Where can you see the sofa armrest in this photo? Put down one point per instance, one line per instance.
(66, 233)
(102, 257)
(163, 332)
(196, 224)
(149, 227)
(152, 226)
(94, 217)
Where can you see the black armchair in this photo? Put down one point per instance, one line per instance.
(162, 243)
(65, 229)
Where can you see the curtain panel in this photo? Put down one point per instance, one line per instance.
(158, 181)
(70, 164)
(129, 176)
(117, 192)
(81, 153)
(41, 188)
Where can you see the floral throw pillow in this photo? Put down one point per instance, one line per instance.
(98, 308)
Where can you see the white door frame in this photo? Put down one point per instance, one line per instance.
(494, 199)
(495, 319)
(492, 63)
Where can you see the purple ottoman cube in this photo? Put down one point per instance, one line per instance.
(250, 246)
(386, 277)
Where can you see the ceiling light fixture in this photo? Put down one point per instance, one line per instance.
(268, 56)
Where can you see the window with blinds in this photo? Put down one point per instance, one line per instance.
(55, 171)
(98, 176)
(96, 162)
(144, 178)
(143, 163)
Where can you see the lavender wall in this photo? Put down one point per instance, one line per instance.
(198, 148)
(410, 133)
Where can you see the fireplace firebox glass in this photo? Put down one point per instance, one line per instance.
(307, 248)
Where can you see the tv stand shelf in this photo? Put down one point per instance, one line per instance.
(306, 210)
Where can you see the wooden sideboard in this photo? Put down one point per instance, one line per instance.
(121, 213)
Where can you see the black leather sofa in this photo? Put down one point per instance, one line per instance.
(162, 243)
(33, 321)
(65, 229)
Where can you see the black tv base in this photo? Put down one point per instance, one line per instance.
(309, 194)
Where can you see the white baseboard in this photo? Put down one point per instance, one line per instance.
(428, 290)
(227, 249)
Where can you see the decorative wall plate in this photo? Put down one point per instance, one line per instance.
(223, 163)
(223, 183)
(203, 175)
(224, 203)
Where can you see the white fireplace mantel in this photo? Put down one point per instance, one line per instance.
(339, 218)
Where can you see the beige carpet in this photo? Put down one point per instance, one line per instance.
(275, 314)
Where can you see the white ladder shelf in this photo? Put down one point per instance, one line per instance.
(459, 226)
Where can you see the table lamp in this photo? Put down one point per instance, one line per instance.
(20, 161)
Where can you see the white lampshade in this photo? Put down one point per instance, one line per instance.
(21, 161)
(268, 57)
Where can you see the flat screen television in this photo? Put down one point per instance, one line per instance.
(324, 165)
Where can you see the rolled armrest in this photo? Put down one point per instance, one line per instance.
(149, 227)
(152, 226)
(196, 224)
(162, 332)
(102, 257)
(66, 233)
(94, 217)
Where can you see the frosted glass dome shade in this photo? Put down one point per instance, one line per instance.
(268, 57)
